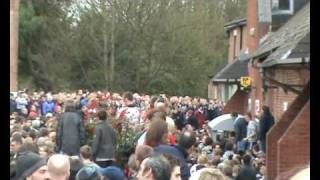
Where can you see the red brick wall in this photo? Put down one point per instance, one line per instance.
(256, 90)
(237, 103)
(232, 54)
(280, 128)
(294, 145)
(278, 96)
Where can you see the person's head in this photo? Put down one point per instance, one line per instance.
(227, 170)
(132, 163)
(75, 165)
(265, 110)
(161, 106)
(16, 142)
(187, 140)
(208, 141)
(89, 172)
(142, 152)
(30, 166)
(211, 174)
(156, 167)
(175, 166)
(248, 116)
(234, 114)
(157, 133)
(112, 173)
(59, 167)
(127, 97)
(202, 159)
(85, 152)
(235, 170)
(246, 159)
(102, 115)
(218, 153)
(229, 146)
(27, 146)
(70, 106)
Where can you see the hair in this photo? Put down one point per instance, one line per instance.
(159, 166)
(132, 162)
(227, 170)
(85, 152)
(187, 139)
(208, 141)
(128, 95)
(211, 174)
(246, 159)
(202, 159)
(157, 129)
(43, 132)
(215, 162)
(234, 114)
(29, 147)
(142, 152)
(70, 106)
(33, 134)
(249, 115)
(173, 161)
(266, 110)
(229, 146)
(218, 152)
(17, 137)
(157, 114)
(102, 115)
(75, 165)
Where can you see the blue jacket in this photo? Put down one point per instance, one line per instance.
(178, 152)
(48, 107)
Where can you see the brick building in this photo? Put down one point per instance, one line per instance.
(225, 84)
(279, 45)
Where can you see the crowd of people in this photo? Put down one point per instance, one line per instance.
(50, 138)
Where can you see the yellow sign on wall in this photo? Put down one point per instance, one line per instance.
(245, 81)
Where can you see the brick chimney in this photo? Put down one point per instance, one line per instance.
(258, 23)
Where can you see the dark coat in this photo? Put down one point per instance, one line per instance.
(247, 173)
(193, 121)
(71, 133)
(178, 120)
(178, 152)
(265, 123)
(104, 141)
(240, 128)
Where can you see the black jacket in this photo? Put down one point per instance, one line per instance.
(71, 133)
(265, 123)
(240, 128)
(104, 141)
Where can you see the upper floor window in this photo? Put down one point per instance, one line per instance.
(282, 6)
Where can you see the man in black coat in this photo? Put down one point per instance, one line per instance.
(70, 132)
(240, 128)
(265, 124)
(104, 142)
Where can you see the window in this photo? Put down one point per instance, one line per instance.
(282, 6)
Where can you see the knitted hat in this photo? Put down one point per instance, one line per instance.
(112, 172)
(27, 163)
(89, 172)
